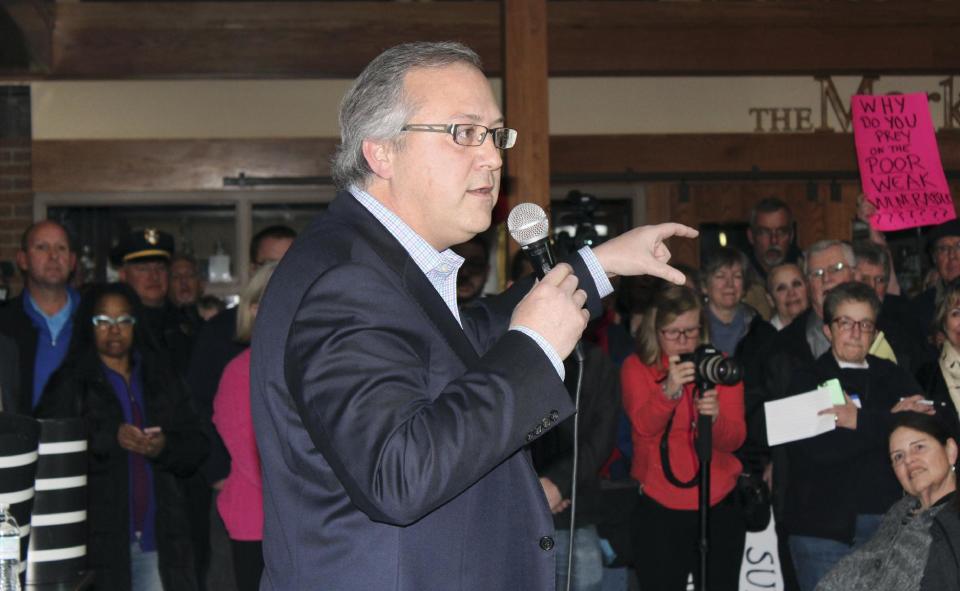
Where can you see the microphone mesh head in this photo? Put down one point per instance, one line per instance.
(528, 223)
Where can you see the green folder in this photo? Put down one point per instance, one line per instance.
(836, 392)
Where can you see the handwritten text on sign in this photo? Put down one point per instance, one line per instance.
(900, 166)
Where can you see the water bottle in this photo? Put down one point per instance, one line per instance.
(9, 551)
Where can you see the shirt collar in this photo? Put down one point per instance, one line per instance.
(426, 257)
(847, 365)
(73, 299)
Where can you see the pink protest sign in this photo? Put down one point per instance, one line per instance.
(900, 165)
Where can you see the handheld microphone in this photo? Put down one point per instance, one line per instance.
(529, 226)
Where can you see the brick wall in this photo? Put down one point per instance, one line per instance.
(16, 194)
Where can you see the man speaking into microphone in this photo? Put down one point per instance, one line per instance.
(389, 422)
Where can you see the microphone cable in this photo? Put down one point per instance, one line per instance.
(581, 358)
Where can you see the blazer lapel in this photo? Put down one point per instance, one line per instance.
(396, 258)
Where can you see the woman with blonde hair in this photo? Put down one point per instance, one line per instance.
(658, 396)
(240, 502)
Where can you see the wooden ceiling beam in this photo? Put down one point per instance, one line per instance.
(113, 40)
(256, 39)
(35, 19)
(192, 165)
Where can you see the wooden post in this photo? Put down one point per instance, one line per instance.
(526, 108)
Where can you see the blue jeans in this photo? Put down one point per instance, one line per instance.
(587, 559)
(814, 557)
(144, 569)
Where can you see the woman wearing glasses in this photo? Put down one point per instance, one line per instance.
(658, 396)
(839, 483)
(142, 437)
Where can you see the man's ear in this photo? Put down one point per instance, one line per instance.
(22, 260)
(750, 235)
(379, 157)
(827, 333)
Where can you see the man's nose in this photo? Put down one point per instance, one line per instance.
(490, 157)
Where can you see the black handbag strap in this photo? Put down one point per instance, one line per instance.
(665, 461)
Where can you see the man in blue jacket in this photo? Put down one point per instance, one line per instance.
(390, 422)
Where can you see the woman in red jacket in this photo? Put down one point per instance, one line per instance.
(658, 396)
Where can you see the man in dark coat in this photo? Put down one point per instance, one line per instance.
(390, 425)
(143, 258)
(9, 374)
(40, 319)
(943, 246)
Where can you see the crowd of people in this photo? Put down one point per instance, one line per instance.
(155, 369)
(165, 392)
(378, 426)
(793, 320)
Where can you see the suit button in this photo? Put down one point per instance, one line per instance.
(538, 430)
(554, 416)
(546, 422)
(531, 436)
(546, 543)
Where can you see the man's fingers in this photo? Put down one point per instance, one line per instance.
(569, 284)
(580, 297)
(665, 271)
(674, 229)
(557, 274)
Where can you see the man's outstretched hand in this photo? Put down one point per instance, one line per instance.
(642, 251)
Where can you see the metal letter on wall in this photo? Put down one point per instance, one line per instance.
(830, 96)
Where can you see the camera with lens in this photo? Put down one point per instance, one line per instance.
(713, 368)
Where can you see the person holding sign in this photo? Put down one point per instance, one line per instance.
(840, 482)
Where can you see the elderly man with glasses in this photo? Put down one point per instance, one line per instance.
(390, 422)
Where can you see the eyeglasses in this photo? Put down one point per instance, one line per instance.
(673, 334)
(775, 233)
(846, 324)
(946, 249)
(469, 134)
(104, 322)
(831, 270)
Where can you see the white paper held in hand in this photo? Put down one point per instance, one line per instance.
(795, 417)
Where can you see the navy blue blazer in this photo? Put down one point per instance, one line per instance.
(391, 439)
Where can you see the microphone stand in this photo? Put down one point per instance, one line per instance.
(704, 446)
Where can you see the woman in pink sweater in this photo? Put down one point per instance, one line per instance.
(240, 502)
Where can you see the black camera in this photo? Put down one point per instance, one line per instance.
(712, 367)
